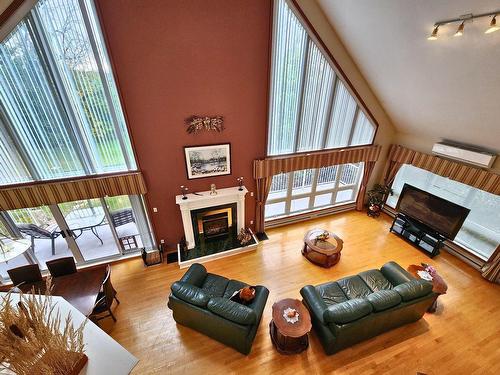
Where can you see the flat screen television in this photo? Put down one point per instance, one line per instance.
(437, 213)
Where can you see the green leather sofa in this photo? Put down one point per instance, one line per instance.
(200, 300)
(355, 308)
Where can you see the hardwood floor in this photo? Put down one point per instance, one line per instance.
(462, 337)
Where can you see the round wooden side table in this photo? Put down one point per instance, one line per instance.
(322, 253)
(439, 286)
(290, 338)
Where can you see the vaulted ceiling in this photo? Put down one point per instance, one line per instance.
(448, 88)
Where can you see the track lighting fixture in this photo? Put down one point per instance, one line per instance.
(460, 30)
(434, 34)
(462, 20)
(493, 25)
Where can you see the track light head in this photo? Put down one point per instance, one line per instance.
(493, 25)
(434, 34)
(460, 30)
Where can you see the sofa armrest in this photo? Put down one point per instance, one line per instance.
(314, 302)
(233, 311)
(260, 300)
(195, 275)
(395, 273)
(190, 293)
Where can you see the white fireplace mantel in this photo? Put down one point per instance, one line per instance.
(203, 199)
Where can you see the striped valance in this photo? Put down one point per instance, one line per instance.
(282, 164)
(466, 174)
(41, 194)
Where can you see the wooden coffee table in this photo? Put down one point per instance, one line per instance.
(290, 338)
(322, 253)
(439, 286)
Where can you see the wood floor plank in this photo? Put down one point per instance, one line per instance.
(462, 337)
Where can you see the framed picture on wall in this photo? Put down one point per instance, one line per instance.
(208, 161)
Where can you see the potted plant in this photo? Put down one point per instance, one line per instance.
(376, 199)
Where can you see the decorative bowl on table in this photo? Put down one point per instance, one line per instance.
(291, 315)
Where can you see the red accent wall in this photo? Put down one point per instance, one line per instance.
(174, 59)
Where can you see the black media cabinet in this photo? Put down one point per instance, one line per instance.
(417, 233)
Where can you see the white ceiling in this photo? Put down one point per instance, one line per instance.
(448, 88)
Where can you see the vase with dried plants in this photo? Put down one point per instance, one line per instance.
(36, 340)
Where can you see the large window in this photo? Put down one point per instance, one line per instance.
(480, 232)
(60, 115)
(310, 108)
(301, 191)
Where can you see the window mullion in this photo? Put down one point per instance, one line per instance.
(105, 86)
(288, 201)
(329, 113)
(313, 188)
(337, 183)
(73, 128)
(18, 145)
(354, 120)
(298, 125)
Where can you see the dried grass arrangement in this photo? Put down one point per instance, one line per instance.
(31, 341)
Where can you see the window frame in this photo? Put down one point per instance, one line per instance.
(313, 36)
(30, 15)
(289, 196)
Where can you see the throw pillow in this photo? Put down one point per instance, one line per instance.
(244, 296)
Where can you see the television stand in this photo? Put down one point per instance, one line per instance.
(418, 234)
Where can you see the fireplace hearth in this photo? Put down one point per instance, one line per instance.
(211, 225)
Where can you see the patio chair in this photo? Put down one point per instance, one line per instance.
(122, 217)
(25, 274)
(39, 233)
(61, 266)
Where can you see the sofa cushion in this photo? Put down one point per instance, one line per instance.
(375, 280)
(354, 287)
(233, 286)
(215, 285)
(413, 289)
(348, 311)
(232, 311)
(384, 299)
(331, 293)
(190, 293)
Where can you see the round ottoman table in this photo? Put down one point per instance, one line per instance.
(290, 337)
(323, 253)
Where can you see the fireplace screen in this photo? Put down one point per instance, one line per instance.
(215, 223)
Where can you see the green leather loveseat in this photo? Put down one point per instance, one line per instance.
(355, 308)
(200, 300)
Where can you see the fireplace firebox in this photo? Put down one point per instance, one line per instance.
(214, 223)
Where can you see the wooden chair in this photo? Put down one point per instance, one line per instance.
(61, 266)
(35, 232)
(105, 299)
(25, 274)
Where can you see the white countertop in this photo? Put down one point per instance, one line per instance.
(106, 356)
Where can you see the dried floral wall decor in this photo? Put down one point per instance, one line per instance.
(32, 341)
(196, 124)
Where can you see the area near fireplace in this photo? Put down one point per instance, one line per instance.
(211, 225)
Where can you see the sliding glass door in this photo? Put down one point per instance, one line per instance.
(88, 230)
(88, 225)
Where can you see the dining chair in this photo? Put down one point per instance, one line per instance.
(105, 299)
(25, 274)
(61, 266)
